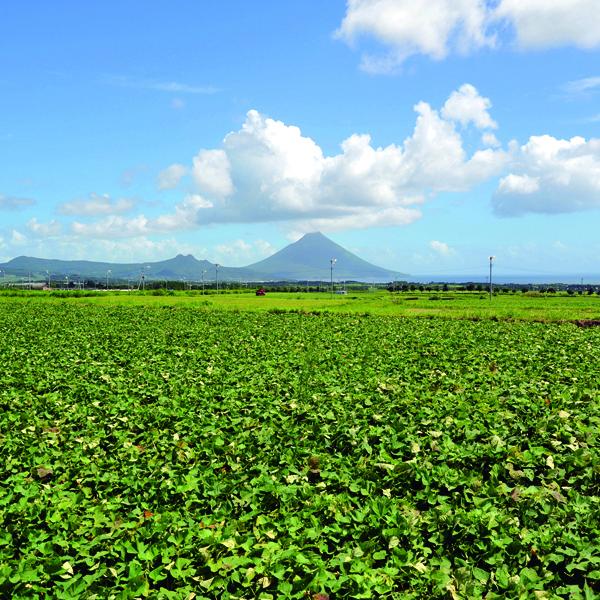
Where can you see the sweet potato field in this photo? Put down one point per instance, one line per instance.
(169, 452)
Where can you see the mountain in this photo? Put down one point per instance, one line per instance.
(307, 259)
(310, 258)
(176, 268)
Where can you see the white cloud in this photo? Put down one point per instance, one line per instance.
(551, 175)
(548, 24)
(211, 172)
(466, 106)
(174, 87)
(489, 139)
(407, 27)
(269, 171)
(184, 216)
(169, 178)
(519, 184)
(96, 205)
(582, 86)
(113, 226)
(50, 229)
(437, 28)
(13, 203)
(441, 248)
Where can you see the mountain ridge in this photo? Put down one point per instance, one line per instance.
(309, 258)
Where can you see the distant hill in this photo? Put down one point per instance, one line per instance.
(175, 268)
(307, 259)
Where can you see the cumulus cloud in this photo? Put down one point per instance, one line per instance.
(184, 216)
(211, 172)
(169, 178)
(13, 203)
(441, 248)
(465, 106)
(96, 205)
(543, 24)
(440, 27)
(407, 27)
(269, 171)
(551, 175)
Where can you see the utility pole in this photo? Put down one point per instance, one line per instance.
(217, 275)
(491, 284)
(332, 261)
(107, 276)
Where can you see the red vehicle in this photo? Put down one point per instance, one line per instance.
(261, 292)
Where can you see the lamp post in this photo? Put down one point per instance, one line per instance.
(332, 261)
(147, 267)
(491, 284)
(107, 277)
(217, 275)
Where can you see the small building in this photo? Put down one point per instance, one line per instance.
(261, 292)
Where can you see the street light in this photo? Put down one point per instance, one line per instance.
(143, 277)
(491, 285)
(107, 276)
(48, 274)
(332, 261)
(203, 274)
(217, 265)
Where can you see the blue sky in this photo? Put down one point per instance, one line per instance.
(423, 135)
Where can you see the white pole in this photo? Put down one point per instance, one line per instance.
(491, 284)
(332, 261)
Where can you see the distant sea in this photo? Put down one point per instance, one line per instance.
(588, 279)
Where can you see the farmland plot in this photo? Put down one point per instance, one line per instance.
(165, 452)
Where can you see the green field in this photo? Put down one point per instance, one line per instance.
(453, 305)
(243, 447)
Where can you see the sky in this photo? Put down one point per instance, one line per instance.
(424, 135)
